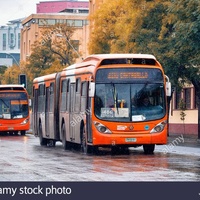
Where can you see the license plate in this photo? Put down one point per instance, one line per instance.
(130, 140)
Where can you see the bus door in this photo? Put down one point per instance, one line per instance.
(35, 112)
(47, 112)
(88, 108)
(71, 112)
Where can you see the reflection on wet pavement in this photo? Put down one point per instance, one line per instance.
(23, 159)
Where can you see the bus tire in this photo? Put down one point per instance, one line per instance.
(11, 133)
(23, 132)
(43, 141)
(65, 144)
(85, 148)
(148, 148)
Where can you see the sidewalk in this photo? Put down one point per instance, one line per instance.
(184, 140)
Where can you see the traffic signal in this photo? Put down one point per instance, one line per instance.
(22, 80)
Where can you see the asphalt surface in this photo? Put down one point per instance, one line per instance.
(189, 140)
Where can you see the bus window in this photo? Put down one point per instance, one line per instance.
(41, 101)
(148, 103)
(51, 101)
(78, 95)
(64, 95)
(84, 96)
(124, 102)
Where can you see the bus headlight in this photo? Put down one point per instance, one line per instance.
(101, 128)
(159, 127)
(25, 121)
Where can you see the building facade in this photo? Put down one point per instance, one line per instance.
(32, 26)
(184, 111)
(60, 6)
(10, 43)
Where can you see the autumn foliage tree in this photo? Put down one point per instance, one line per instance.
(52, 50)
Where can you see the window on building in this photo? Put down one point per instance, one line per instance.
(75, 44)
(4, 41)
(51, 21)
(187, 98)
(196, 100)
(177, 98)
(18, 38)
(42, 22)
(76, 23)
(60, 21)
(12, 40)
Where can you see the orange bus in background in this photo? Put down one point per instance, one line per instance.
(14, 109)
(107, 100)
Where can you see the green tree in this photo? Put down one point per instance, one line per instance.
(181, 35)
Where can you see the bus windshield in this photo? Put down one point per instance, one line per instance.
(13, 105)
(129, 100)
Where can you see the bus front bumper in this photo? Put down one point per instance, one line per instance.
(130, 139)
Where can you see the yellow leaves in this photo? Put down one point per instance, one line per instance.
(115, 25)
(11, 75)
(54, 68)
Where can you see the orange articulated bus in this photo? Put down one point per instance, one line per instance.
(107, 100)
(14, 109)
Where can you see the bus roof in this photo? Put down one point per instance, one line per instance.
(11, 86)
(97, 59)
(45, 77)
(117, 56)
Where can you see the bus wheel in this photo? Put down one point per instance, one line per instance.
(51, 143)
(15, 132)
(43, 141)
(66, 145)
(148, 148)
(11, 133)
(84, 147)
(23, 132)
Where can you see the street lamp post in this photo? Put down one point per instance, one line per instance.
(13, 58)
(60, 35)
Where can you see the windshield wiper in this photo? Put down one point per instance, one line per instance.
(4, 103)
(115, 97)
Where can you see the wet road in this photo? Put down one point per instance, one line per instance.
(23, 159)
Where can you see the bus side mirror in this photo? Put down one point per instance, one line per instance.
(91, 89)
(168, 89)
(29, 102)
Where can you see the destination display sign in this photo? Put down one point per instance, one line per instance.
(129, 75)
(13, 95)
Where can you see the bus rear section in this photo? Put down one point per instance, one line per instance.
(45, 109)
(14, 110)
